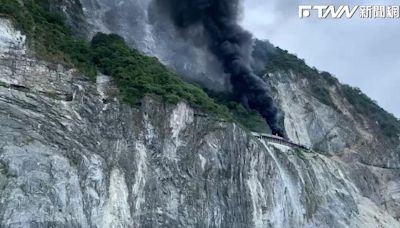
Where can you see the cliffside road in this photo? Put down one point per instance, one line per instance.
(70, 159)
(279, 140)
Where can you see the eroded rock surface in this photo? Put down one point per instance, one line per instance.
(71, 155)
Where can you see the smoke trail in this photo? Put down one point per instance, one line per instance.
(231, 44)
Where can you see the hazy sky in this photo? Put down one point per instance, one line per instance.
(364, 53)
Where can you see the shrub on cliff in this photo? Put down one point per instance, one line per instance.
(48, 35)
(138, 75)
(135, 74)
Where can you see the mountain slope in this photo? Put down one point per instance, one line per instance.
(73, 155)
(68, 159)
(318, 111)
(322, 113)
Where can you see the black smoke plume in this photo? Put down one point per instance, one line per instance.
(230, 43)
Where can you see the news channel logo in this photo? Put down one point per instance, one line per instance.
(348, 12)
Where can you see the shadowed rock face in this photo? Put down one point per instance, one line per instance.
(218, 22)
(144, 28)
(73, 156)
(210, 49)
(335, 131)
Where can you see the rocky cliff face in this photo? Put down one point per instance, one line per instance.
(72, 155)
(147, 29)
(335, 130)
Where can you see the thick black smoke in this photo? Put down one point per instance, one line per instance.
(231, 44)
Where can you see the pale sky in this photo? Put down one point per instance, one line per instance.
(364, 53)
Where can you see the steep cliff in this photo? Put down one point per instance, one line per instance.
(333, 129)
(72, 155)
(320, 112)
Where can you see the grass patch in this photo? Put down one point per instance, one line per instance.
(319, 82)
(300, 153)
(249, 119)
(362, 104)
(48, 35)
(3, 84)
(276, 59)
(136, 75)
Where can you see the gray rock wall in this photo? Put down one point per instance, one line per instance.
(71, 155)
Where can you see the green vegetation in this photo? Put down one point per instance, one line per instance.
(319, 82)
(3, 84)
(135, 74)
(283, 60)
(362, 104)
(48, 35)
(138, 75)
(248, 118)
(300, 153)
